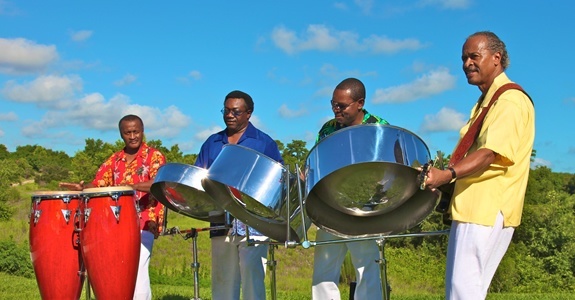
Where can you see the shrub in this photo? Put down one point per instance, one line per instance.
(15, 259)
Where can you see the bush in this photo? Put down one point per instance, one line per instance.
(15, 259)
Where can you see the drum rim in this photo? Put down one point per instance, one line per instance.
(99, 190)
(54, 193)
(342, 130)
(271, 160)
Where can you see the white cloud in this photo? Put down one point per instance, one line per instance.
(20, 56)
(365, 5)
(95, 112)
(320, 38)
(1, 132)
(196, 75)
(432, 83)
(447, 4)
(340, 5)
(126, 80)
(80, 36)
(45, 91)
(11, 116)
(285, 112)
(446, 119)
(537, 162)
(168, 123)
(204, 134)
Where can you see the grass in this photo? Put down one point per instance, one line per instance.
(412, 275)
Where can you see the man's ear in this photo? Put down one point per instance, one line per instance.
(360, 103)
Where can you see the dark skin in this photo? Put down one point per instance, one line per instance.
(481, 67)
(352, 112)
(132, 133)
(236, 125)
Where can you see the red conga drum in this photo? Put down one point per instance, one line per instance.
(54, 245)
(110, 240)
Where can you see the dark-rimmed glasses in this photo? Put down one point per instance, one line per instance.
(234, 112)
(339, 106)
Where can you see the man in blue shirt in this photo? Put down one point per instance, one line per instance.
(234, 263)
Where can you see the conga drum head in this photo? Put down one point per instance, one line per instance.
(108, 190)
(179, 188)
(362, 181)
(258, 191)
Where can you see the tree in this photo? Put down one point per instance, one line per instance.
(4, 153)
(294, 153)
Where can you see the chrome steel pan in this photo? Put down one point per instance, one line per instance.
(260, 198)
(362, 181)
(179, 188)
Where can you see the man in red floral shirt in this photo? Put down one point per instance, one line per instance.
(136, 165)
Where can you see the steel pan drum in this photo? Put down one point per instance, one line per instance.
(179, 188)
(362, 181)
(263, 201)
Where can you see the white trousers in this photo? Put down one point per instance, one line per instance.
(473, 254)
(327, 261)
(143, 289)
(236, 265)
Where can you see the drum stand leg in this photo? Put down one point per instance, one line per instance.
(272, 265)
(383, 269)
(195, 264)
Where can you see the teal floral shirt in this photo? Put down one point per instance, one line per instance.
(332, 125)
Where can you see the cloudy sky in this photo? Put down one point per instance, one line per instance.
(70, 69)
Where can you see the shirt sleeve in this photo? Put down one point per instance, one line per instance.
(202, 159)
(504, 126)
(158, 160)
(104, 175)
(273, 152)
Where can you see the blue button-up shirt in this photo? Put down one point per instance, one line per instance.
(252, 138)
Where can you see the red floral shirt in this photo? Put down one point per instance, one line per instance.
(116, 171)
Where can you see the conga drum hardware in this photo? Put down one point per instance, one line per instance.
(115, 208)
(110, 245)
(65, 211)
(54, 250)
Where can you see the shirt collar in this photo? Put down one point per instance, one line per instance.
(251, 132)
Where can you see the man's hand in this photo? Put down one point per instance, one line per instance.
(153, 228)
(72, 186)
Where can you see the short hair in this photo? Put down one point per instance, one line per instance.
(241, 95)
(130, 118)
(355, 86)
(495, 44)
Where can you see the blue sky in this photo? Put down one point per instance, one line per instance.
(70, 69)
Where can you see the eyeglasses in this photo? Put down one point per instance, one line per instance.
(234, 112)
(339, 106)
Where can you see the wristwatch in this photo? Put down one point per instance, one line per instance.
(453, 175)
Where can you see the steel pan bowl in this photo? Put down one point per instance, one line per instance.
(179, 188)
(362, 181)
(258, 191)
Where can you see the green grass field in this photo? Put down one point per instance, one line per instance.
(172, 279)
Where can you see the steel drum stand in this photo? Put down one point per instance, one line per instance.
(289, 243)
(272, 265)
(383, 262)
(193, 234)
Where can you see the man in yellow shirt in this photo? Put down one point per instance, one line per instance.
(491, 179)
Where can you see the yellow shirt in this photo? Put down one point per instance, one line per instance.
(508, 130)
